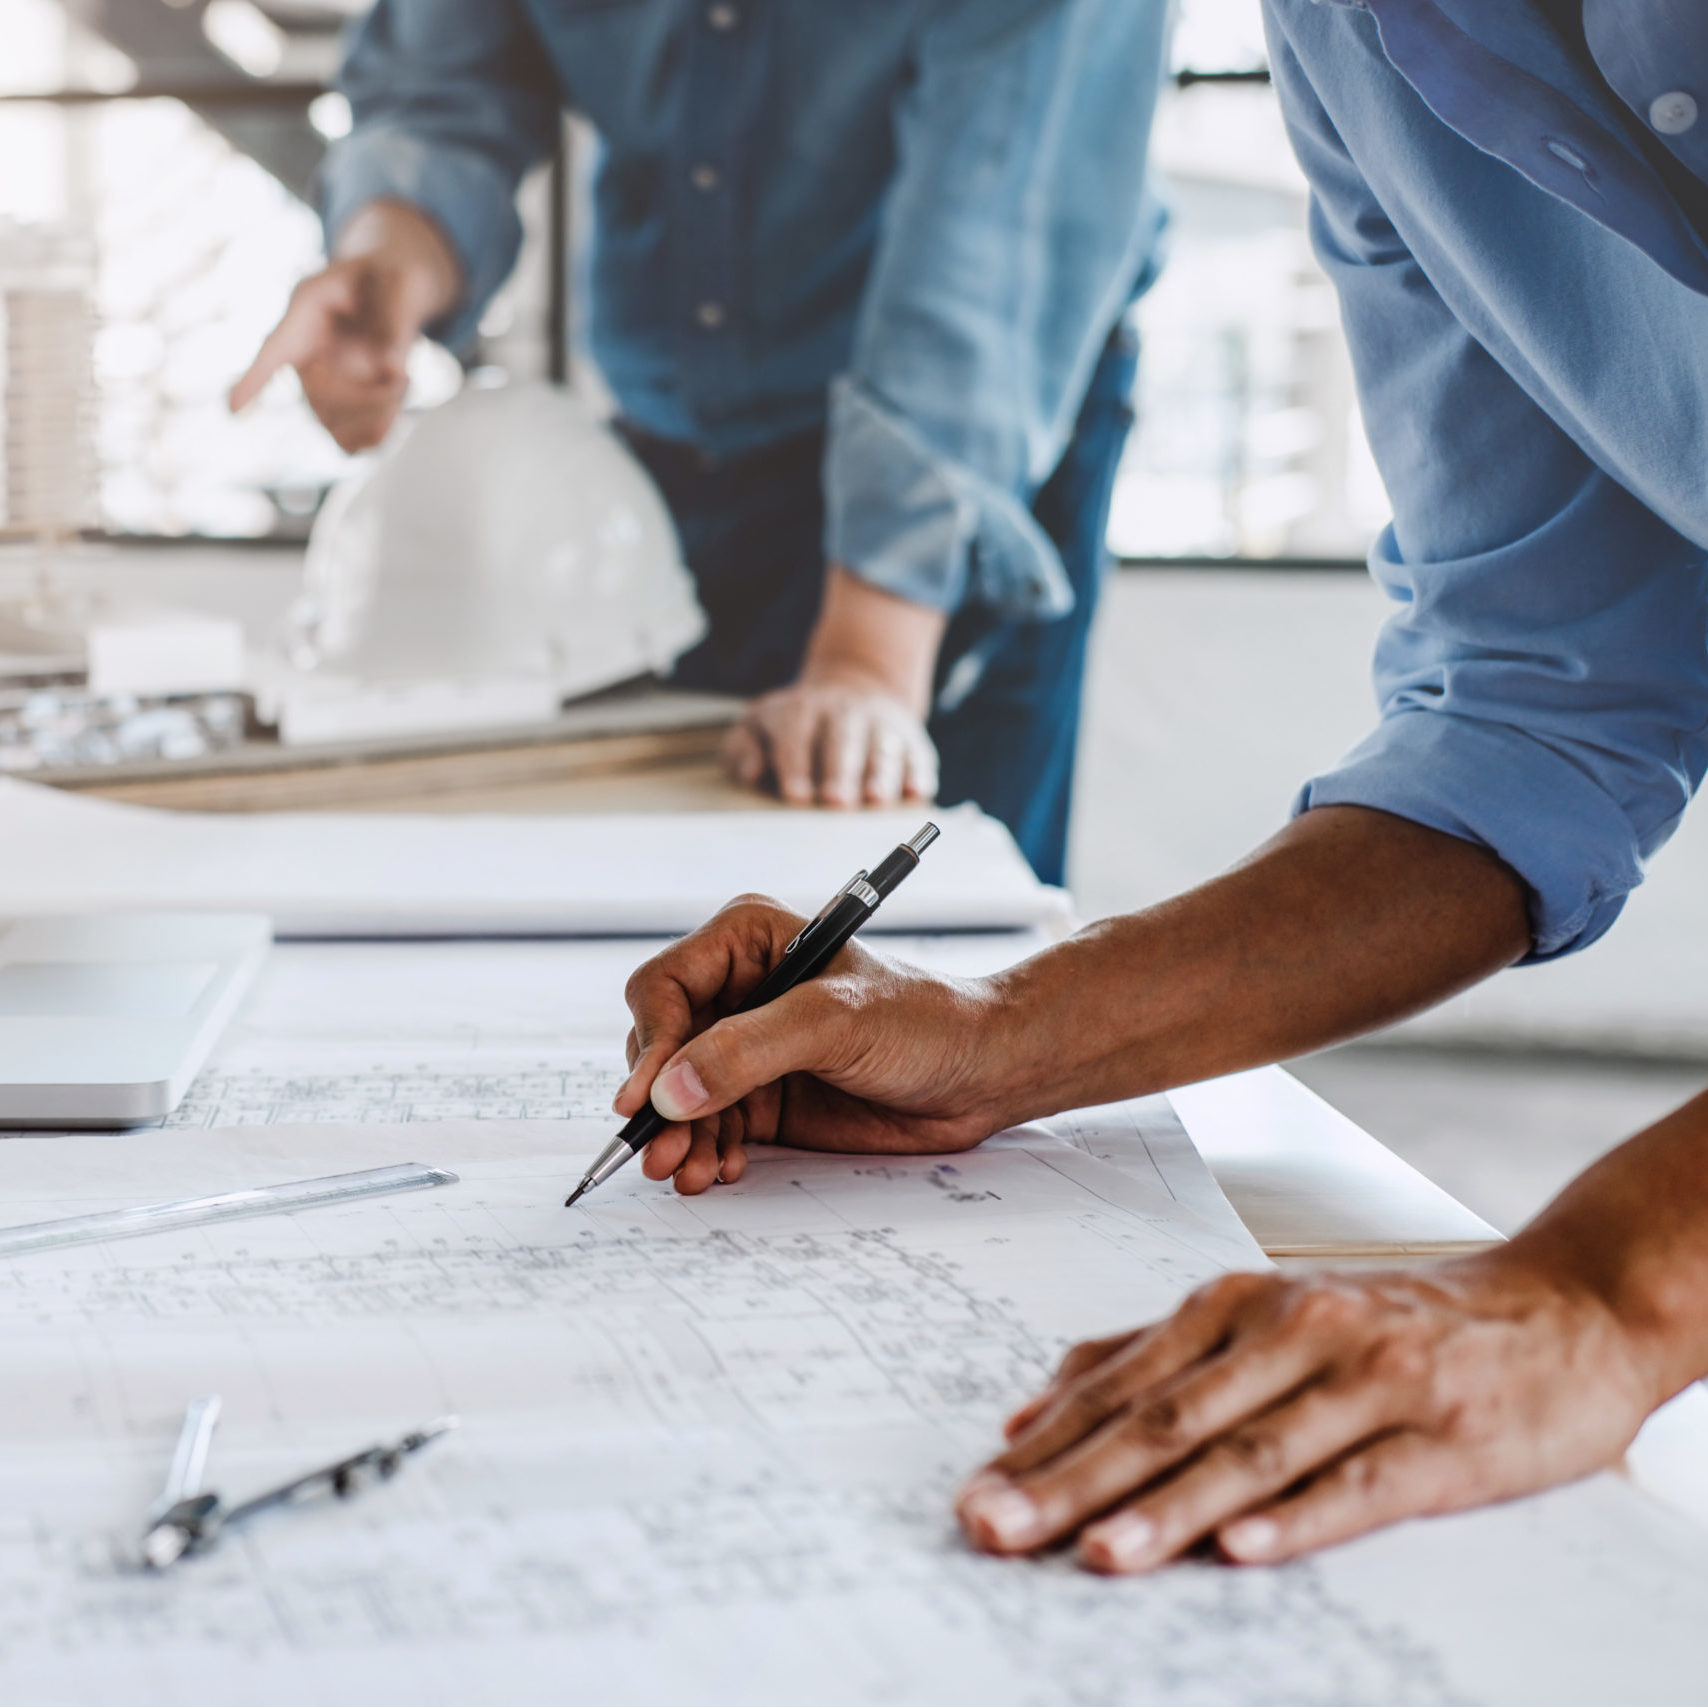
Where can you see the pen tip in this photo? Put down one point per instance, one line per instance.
(569, 1202)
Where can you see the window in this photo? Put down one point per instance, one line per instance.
(169, 156)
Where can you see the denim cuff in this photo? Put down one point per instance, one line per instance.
(919, 524)
(464, 195)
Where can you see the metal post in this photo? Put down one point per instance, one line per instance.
(558, 237)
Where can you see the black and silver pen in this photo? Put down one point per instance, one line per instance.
(813, 949)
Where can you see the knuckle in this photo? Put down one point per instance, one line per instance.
(1076, 1358)
(1256, 1453)
(1229, 1292)
(730, 1059)
(1159, 1426)
(1400, 1360)
(751, 902)
(1361, 1475)
(719, 1058)
(832, 999)
(1089, 1404)
(1326, 1309)
(1454, 1420)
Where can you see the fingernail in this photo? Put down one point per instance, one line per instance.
(1251, 1538)
(1120, 1542)
(1002, 1512)
(678, 1093)
(622, 1091)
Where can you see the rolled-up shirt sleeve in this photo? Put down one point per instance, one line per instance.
(1543, 683)
(1015, 232)
(451, 101)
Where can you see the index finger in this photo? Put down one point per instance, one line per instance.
(293, 341)
(712, 968)
(1080, 1403)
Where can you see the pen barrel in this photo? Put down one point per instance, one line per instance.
(895, 865)
(641, 1128)
(813, 951)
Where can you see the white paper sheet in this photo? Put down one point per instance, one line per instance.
(707, 1454)
(381, 1032)
(1310, 1181)
(1145, 1138)
(504, 1030)
(403, 874)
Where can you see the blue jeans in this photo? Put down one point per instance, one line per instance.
(751, 530)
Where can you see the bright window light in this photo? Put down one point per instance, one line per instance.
(245, 35)
(330, 115)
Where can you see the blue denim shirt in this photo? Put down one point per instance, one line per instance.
(1504, 197)
(920, 217)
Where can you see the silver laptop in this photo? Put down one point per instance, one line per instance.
(106, 1018)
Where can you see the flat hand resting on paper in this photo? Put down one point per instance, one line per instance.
(834, 739)
(869, 1056)
(1276, 1416)
(850, 730)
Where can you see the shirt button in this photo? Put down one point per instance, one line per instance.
(1672, 114)
(705, 177)
(710, 315)
(722, 16)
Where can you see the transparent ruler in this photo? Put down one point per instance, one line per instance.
(227, 1206)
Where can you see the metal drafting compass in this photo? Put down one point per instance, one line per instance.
(186, 1520)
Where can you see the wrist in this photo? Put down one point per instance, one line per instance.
(1004, 1079)
(1632, 1233)
(1612, 1330)
(868, 638)
(1044, 1053)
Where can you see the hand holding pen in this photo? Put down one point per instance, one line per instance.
(808, 952)
(869, 1055)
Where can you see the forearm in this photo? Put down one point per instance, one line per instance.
(864, 632)
(1348, 920)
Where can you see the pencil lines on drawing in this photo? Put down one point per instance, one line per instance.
(779, 1329)
(413, 1091)
(762, 1542)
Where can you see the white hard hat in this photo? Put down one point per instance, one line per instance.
(507, 539)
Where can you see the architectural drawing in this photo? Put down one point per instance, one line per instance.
(707, 1453)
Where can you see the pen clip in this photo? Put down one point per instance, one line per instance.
(824, 912)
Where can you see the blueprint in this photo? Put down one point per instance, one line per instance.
(707, 1452)
(357, 1085)
(357, 1033)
